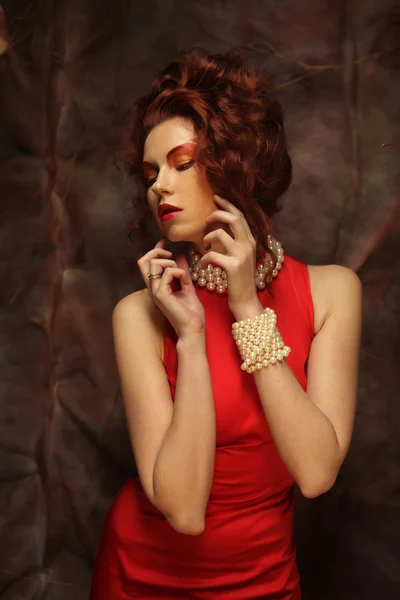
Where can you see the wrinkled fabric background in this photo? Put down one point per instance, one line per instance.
(68, 70)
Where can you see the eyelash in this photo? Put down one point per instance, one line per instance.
(151, 181)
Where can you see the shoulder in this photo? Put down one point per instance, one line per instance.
(333, 287)
(137, 301)
(336, 281)
(140, 306)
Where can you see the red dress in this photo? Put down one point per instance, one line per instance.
(247, 550)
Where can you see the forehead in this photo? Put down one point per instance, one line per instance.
(165, 136)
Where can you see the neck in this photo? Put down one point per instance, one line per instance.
(260, 251)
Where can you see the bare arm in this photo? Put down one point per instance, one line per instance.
(173, 442)
(312, 429)
(184, 468)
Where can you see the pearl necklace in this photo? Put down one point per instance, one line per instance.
(215, 278)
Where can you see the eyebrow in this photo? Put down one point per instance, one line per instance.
(184, 146)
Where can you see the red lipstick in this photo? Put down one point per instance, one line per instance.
(168, 211)
(169, 216)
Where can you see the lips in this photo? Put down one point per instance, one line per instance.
(165, 208)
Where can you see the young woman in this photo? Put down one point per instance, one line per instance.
(238, 363)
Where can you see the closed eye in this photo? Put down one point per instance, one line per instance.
(182, 167)
(185, 165)
(151, 181)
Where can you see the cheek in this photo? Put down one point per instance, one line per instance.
(201, 186)
(152, 203)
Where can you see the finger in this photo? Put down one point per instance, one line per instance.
(221, 260)
(169, 274)
(153, 253)
(183, 264)
(161, 243)
(224, 237)
(238, 225)
(224, 203)
(152, 268)
(163, 262)
(157, 267)
(160, 246)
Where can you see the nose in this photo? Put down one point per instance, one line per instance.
(163, 183)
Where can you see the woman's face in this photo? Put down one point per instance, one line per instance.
(175, 178)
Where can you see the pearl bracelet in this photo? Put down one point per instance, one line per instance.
(259, 341)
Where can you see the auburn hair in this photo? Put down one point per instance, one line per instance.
(239, 129)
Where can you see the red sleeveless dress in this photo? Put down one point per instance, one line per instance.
(247, 550)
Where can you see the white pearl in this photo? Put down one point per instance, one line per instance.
(262, 275)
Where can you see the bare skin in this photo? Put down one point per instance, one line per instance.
(320, 418)
(174, 178)
(321, 300)
(169, 147)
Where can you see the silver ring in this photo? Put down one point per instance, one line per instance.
(154, 275)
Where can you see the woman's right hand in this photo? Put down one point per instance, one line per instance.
(183, 308)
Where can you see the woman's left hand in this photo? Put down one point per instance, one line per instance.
(240, 260)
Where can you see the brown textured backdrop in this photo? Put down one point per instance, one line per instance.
(67, 71)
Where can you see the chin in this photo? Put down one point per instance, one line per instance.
(175, 237)
(183, 234)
